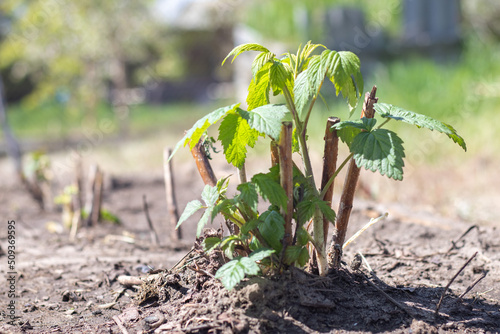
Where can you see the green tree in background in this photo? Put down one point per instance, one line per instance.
(295, 21)
(76, 50)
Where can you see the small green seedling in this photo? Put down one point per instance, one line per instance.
(293, 229)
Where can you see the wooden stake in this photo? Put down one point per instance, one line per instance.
(94, 195)
(286, 177)
(154, 236)
(347, 197)
(77, 199)
(175, 235)
(329, 166)
(206, 172)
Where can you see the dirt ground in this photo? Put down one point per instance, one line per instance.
(65, 286)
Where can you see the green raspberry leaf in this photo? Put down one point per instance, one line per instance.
(249, 226)
(194, 134)
(297, 254)
(270, 189)
(421, 121)
(207, 215)
(190, 209)
(235, 134)
(347, 134)
(366, 124)
(305, 211)
(307, 85)
(244, 48)
(348, 130)
(272, 228)
(248, 195)
(210, 243)
(210, 195)
(326, 210)
(258, 91)
(266, 119)
(231, 273)
(234, 271)
(261, 254)
(303, 237)
(226, 207)
(261, 60)
(343, 68)
(380, 150)
(280, 76)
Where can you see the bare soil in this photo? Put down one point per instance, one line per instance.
(68, 286)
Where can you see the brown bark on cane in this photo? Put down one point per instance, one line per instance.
(329, 166)
(204, 167)
(275, 156)
(286, 177)
(347, 197)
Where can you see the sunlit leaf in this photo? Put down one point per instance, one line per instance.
(307, 84)
(194, 134)
(279, 75)
(231, 273)
(258, 90)
(244, 48)
(210, 195)
(343, 68)
(235, 135)
(421, 121)
(260, 61)
(190, 209)
(266, 119)
(379, 150)
(234, 271)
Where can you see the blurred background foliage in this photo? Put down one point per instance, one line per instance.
(65, 62)
(298, 21)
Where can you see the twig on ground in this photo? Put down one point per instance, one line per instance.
(154, 236)
(451, 281)
(182, 261)
(119, 322)
(454, 243)
(370, 270)
(119, 293)
(470, 287)
(389, 298)
(372, 221)
(124, 238)
(197, 269)
(372, 273)
(197, 328)
(129, 280)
